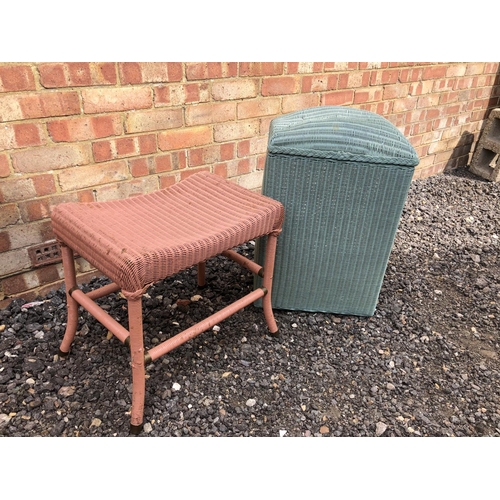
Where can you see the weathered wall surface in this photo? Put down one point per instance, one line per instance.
(99, 131)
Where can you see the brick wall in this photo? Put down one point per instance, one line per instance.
(99, 131)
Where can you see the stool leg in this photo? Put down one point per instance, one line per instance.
(272, 240)
(201, 274)
(138, 365)
(71, 304)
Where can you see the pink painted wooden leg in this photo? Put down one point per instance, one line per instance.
(71, 303)
(201, 274)
(272, 240)
(138, 364)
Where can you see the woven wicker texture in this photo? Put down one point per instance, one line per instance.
(146, 238)
(339, 133)
(341, 215)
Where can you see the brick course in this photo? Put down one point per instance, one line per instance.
(86, 131)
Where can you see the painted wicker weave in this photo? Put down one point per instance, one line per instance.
(343, 175)
(139, 241)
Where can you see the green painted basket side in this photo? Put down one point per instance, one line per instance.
(341, 218)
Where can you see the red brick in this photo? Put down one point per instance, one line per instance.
(163, 163)
(79, 74)
(265, 123)
(373, 65)
(225, 90)
(123, 147)
(210, 154)
(474, 68)
(21, 135)
(455, 70)
(16, 78)
(234, 168)
(208, 70)
(76, 74)
(167, 180)
(47, 158)
(147, 144)
(9, 215)
(280, 85)
(177, 95)
(23, 235)
(184, 138)
(84, 128)
(4, 166)
(303, 67)
(100, 100)
(44, 184)
(159, 119)
(371, 94)
(319, 83)
(102, 150)
(227, 151)
(383, 108)
(27, 134)
(433, 72)
(410, 75)
(340, 66)
(491, 67)
(221, 170)
(141, 166)
(406, 104)
(354, 79)
(52, 75)
(179, 159)
(38, 105)
(51, 104)
(253, 146)
(150, 72)
(428, 101)
(338, 98)
(204, 156)
(463, 83)
(202, 114)
(48, 274)
(16, 189)
(40, 208)
(126, 189)
(301, 101)
(452, 110)
(5, 245)
(224, 132)
(258, 107)
(14, 284)
(420, 88)
(14, 261)
(432, 114)
(384, 77)
(93, 175)
(261, 68)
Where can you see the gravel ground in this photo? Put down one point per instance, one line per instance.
(426, 364)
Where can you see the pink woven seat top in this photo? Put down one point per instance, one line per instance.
(143, 239)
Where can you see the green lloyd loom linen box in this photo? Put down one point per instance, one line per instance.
(343, 175)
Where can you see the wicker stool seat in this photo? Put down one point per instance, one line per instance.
(141, 240)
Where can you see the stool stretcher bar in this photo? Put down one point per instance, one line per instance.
(100, 314)
(204, 325)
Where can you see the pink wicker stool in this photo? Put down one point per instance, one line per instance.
(141, 240)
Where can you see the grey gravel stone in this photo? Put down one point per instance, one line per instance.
(425, 364)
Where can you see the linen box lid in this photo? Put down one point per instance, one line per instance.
(340, 133)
